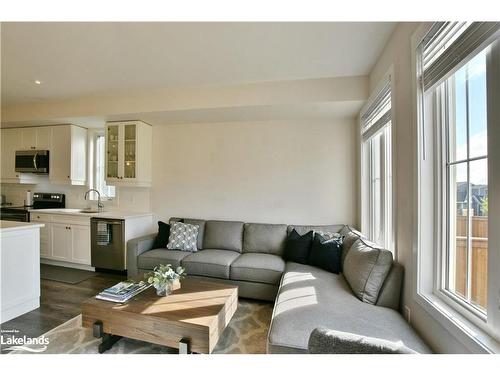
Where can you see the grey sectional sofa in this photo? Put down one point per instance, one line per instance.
(250, 255)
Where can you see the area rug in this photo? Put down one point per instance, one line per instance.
(64, 274)
(245, 334)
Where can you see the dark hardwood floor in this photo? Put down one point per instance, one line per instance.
(59, 302)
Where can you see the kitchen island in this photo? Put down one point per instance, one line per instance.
(19, 267)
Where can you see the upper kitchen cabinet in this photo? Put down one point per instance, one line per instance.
(12, 142)
(128, 150)
(67, 146)
(38, 138)
(68, 155)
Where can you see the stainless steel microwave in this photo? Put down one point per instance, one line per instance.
(32, 161)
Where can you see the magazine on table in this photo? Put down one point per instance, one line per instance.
(122, 291)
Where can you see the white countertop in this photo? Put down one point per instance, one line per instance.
(111, 214)
(10, 226)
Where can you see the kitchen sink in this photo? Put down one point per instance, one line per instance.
(90, 211)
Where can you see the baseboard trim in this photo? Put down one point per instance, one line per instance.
(67, 264)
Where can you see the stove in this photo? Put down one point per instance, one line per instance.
(40, 200)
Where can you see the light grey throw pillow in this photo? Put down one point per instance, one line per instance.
(365, 269)
(182, 236)
(350, 236)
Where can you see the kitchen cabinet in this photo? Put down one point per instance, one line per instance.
(128, 153)
(67, 145)
(68, 155)
(80, 246)
(65, 238)
(12, 142)
(61, 242)
(45, 234)
(28, 138)
(38, 138)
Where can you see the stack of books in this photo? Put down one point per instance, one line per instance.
(122, 291)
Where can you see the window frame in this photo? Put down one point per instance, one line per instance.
(478, 333)
(386, 166)
(95, 134)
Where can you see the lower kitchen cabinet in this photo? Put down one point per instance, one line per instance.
(64, 239)
(61, 242)
(80, 246)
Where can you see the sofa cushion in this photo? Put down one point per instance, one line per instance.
(152, 258)
(297, 247)
(257, 267)
(325, 253)
(365, 269)
(350, 235)
(183, 236)
(210, 262)
(310, 297)
(264, 238)
(201, 228)
(303, 229)
(226, 235)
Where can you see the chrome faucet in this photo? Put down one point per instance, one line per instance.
(100, 206)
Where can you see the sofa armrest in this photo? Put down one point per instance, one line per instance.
(136, 247)
(327, 341)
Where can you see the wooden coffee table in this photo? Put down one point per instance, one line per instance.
(191, 319)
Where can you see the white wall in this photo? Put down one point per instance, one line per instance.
(274, 171)
(398, 53)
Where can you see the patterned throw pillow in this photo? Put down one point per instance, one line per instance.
(331, 236)
(183, 237)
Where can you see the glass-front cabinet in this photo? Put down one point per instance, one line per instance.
(129, 151)
(128, 147)
(112, 155)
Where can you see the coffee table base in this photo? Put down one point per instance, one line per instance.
(108, 340)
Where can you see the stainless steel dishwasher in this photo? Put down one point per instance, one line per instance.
(108, 243)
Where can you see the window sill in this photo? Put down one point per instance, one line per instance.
(469, 334)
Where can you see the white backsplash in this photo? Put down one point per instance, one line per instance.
(128, 198)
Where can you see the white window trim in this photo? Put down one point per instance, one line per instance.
(92, 152)
(392, 231)
(468, 329)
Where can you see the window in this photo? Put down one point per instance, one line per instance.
(376, 169)
(99, 169)
(465, 171)
(458, 81)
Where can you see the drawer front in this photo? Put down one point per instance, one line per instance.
(71, 219)
(44, 218)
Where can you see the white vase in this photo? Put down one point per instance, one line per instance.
(164, 289)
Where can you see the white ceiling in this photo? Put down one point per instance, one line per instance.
(76, 59)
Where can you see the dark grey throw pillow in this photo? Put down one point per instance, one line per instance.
(325, 253)
(161, 239)
(297, 247)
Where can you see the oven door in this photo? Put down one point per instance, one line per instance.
(33, 161)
